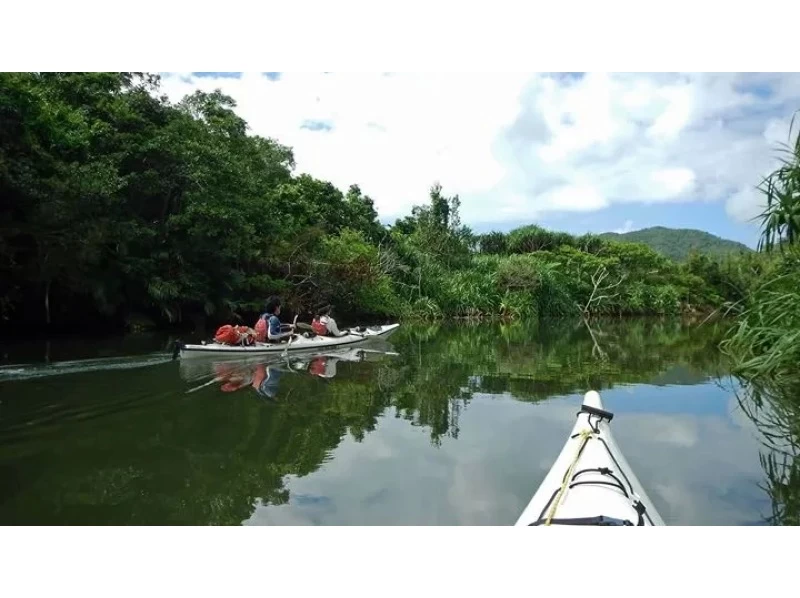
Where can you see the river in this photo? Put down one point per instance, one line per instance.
(452, 424)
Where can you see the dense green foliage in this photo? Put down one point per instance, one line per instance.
(679, 243)
(117, 202)
(121, 207)
(765, 343)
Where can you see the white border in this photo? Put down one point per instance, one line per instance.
(419, 35)
(392, 561)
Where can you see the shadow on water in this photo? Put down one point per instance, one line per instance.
(73, 348)
(208, 441)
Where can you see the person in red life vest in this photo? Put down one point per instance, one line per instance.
(269, 327)
(325, 325)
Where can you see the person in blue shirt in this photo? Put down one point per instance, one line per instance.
(275, 332)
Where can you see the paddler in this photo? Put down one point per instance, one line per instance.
(325, 325)
(269, 328)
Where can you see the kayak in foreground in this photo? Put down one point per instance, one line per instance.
(299, 343)
(590, 482)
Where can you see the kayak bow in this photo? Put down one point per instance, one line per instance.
(591, 482)
(299, 343)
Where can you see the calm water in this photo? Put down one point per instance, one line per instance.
(453, 424)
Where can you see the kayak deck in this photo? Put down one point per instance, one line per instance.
(591, 482)
(300, 343)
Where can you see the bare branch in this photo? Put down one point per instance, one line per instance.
(597, 283)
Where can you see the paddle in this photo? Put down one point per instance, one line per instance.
(286, 350)
(209, 383)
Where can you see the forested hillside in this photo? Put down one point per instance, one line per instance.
(678, 243)
(118, 206)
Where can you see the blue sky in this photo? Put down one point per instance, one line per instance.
(571, 151)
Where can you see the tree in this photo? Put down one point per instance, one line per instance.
(493, 243)
(781, 217)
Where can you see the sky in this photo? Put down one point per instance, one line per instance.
(578, 152)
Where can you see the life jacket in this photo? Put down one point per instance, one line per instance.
(226, 335)
(319, 328)
(261, 329)
(233, 335)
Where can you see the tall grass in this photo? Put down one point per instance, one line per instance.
(764, 345)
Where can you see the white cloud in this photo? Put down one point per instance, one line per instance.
(745, 205)
(519, 146)
(626, 228)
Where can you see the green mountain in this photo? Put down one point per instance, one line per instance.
(676, 243)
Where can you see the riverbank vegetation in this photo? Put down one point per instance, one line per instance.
(764, 344)
(120, 207)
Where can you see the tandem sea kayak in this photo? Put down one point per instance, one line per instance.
(591, 482)
(299, 343)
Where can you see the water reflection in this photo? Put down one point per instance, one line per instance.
(440, 424)
(775, 411)
(263, 373)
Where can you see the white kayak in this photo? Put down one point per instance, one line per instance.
(299, 343)
(590, 482)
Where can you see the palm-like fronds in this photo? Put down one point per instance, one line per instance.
(780, 220)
